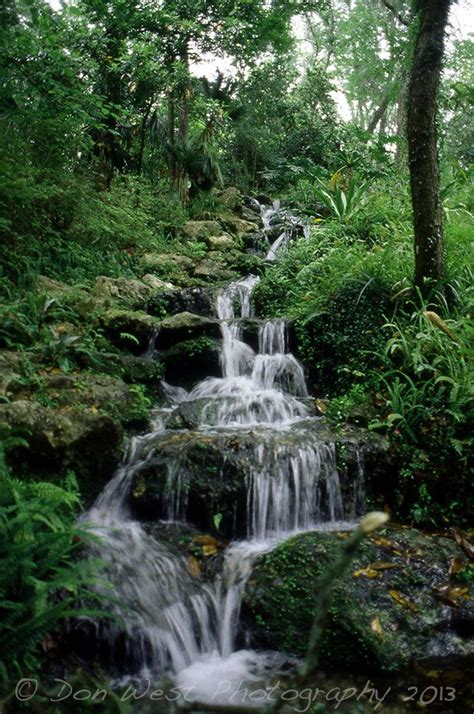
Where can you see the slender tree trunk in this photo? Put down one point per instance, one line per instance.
(432, 16)
(183, 123)
(380, 112)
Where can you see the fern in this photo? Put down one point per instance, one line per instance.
(41, 585)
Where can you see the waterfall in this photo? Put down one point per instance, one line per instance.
(176, 622)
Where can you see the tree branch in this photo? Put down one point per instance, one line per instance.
(398, 15)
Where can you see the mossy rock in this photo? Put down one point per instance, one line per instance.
(58, 440)
(128, 329)
(191, 361)
(126, 292)
(99, 393)
(211, 469)
(380, 617)
(185, 326)
(201, 230)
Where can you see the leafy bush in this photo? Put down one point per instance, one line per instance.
(426, 384)
(40, 584)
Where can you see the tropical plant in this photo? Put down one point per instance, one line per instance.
(342, 201)
(40, 584)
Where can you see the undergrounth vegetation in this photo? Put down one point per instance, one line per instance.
(138, 144)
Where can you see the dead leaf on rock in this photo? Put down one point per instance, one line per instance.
(456, 565)
(376, 627)
(461, 539)
(381, 565)
(208, 550)
(450, 595)
(400, 600)
(366, 573)
(193, 567)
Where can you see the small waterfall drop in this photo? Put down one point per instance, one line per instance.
(178, 623)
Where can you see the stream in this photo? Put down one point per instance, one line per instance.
(180, 625)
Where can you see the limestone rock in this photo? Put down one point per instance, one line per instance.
(58, 440)
(201, 230)
(128, 329)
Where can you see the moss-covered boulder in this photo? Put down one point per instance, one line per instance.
(99, 393)
(201, 230)
(58, 440)
(397, 601)
(199, 474)
(127, 292)
(200, 301)
(191, 361)
(223, 242)
(128, 329)
(185, 326)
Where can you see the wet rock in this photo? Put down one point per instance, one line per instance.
(384, 610)
(190, 361)
(128, 329)
(185, 326)
(207, 473)
(58, 440)
(201, 230)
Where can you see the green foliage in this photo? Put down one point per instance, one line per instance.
(340, 202)
(40, 584)
(426, 382)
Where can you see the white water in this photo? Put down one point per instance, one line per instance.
(178, 623)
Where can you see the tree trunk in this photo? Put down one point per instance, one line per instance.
(380, 112)
(432, 16)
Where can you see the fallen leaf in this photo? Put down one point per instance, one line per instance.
(376, 627)
(366, 573)
(321, 406)
(208, 550)
(461, 539)
(400, 600)
(380, 565)
(193, 567)
(456, 565)
(383, 542)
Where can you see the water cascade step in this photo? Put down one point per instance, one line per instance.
(177, 622)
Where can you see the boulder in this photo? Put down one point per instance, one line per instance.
(397, 601)
(185, 326)
(221, 243)
(58, 440)
(201, 230)
(231, 198)
(211, 270)
(191, 361)
(98, 393)
(156, 283)
(170, 267)
(200, 301)
(11, 366)
(128, 329)
(132, 293)
(240, 227)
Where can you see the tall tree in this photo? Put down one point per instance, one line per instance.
(432, 19)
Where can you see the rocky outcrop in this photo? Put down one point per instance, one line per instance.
(58, 440)
(201, 230)
(207, 473)
(398, 601)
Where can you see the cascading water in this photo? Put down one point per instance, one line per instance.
(177, 623)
